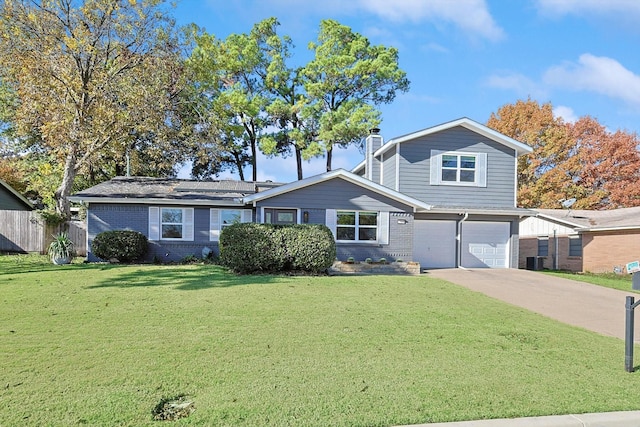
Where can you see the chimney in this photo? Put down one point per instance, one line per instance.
(372, 165)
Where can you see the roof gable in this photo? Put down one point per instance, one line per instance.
(465, 122)
(13, 194)
(343, 174)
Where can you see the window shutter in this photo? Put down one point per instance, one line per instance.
(154, 223)
(330, 221)
(187, 232)
(383, 228)
(214, 225)
(435, 164)
(247, 215)
(481, 170)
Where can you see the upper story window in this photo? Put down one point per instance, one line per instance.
(457, 168)
(357, 226)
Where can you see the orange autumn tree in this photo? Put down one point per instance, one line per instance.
(580, 160)
(609, 173)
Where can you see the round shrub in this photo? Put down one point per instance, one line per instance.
(267, 248)
(123, 245)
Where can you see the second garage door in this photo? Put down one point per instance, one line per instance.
(485, 244)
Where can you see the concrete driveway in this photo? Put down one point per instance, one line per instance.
(591, 307)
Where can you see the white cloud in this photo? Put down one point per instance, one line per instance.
(472, 16)
(588, 7)
(597, 74)
(522, 85)
(566, 113)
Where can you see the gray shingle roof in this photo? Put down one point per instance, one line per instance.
(171, 189)
(589, 219)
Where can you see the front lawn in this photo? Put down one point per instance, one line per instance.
(609, 280)
(101, 345)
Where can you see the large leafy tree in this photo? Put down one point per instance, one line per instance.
(580, 160)
(231, 75)
(345, 81)
(90, 77)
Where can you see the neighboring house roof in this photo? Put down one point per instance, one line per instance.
(17, 197)
(591, 220)
(465, 122)
(170, 191)
(346, 175)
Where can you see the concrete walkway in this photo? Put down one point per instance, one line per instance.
(591, 307)
(587, 306)
(606, 419)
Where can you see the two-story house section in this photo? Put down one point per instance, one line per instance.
(467, 173)
(444, 196)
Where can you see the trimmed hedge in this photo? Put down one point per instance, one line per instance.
(267, 248)
(123, 245)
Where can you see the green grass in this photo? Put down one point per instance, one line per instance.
(609, 280)
(101, 345)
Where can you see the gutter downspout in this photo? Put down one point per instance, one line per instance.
(459, 239)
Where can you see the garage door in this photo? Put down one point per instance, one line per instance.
(485, 244)
(434, 243)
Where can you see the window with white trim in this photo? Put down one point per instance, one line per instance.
(221, 218)
(170, 223)
(357, 226)
(230, 216)
(458, 168)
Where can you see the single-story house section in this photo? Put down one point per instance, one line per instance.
(442, 196)
(11, 200)
(581, 240)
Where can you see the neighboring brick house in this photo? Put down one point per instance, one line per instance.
(444, 196)
(581, 240)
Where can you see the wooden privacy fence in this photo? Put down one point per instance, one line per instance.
(24, 231)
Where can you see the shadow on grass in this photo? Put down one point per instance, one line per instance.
(183, 277)
(30, 263)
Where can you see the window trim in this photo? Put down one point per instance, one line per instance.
(480, 170)
(155, 224)
(356, 226)
(575, 238)
(215, 220)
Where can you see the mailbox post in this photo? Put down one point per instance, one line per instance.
(630, 305)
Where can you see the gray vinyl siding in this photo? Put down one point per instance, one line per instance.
(501, 170)
(334, 194)
(106, 217)
(389, 169)
(339, 194)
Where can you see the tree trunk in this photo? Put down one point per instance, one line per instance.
(329, 155)
(66, 186)
(254, 160)
(299, 161)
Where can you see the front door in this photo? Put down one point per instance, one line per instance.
(280, 216)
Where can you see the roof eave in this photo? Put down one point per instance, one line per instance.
(149, 201)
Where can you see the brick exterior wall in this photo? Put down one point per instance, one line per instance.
(605, 250)
(529, 248)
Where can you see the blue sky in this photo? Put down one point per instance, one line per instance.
(465, 58)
